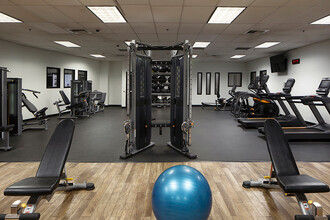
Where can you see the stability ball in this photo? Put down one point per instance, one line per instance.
(181, 192)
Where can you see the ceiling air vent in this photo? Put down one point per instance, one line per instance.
(256, 32)
(242, 48)
(79, 31)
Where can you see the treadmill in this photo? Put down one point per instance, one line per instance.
(320, 131)
(286, 120)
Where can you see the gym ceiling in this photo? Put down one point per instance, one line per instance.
(166, 22)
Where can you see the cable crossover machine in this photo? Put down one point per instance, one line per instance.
(139, 97)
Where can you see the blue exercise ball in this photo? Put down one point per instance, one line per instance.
(181, 192)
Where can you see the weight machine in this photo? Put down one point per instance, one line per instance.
(139, 98)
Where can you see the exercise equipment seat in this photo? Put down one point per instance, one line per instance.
(51, 165)
(287, 173)
(37, 113)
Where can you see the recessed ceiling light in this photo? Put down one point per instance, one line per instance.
(201, 44)
(267, 44)
(194, 56)
(97, 55)
(325, 20)
(107, 14)
(127, 43)
(237, 56)
(225, 15)
(7, 19)
(67, 43)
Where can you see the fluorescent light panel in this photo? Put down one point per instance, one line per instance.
(97, 55)
(67, 43)
(267, 44)
(325, 20)
(237, 56)
(108, 14)
(194, 56)
(7, 19)
(225, 15)
(127, 43)
(201, 44)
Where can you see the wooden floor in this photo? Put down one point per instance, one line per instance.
(123, 190)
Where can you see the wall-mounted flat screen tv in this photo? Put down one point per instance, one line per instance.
(278, 63)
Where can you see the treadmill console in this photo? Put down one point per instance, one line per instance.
(288, 85)
(324, 87)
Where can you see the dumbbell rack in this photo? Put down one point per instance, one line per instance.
(158, 74)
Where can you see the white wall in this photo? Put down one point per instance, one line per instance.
(223, 68)
(115, 83)
(314, 65)
(30, 64)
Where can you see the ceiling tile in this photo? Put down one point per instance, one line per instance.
(20, 13)
(214, 28)
(144, 28)
(201, 2)
(78, 13)
(29, 2)
(49, 27)
(120, 28)
(69, 25)
(254, 14)
(190, 37)
(206, 37)
(166, 14)
(190, 28)
(167, 37)
(148, 37)
(63, 2)
(285, 15)
(137, 13)
(6, 2)
(133, 2)
(235, 3)
(302, 2)
(96, 2)
(269, 2)
(237, 28)
(189, 14)
(167, 2)
(128, 36)
(93, 26)
(167, 28)
(48, 13)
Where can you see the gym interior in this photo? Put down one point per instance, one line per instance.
(165, 109)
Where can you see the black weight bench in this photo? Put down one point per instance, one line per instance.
(50, 177)
(289, 179)
(40, 115)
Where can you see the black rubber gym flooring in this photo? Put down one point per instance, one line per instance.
(215, 137)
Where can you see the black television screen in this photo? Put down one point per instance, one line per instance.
(278, 63)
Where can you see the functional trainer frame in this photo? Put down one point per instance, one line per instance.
(138, 124)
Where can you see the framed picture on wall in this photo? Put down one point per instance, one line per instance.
(253, 76)
(234, 78)
(82, 75)
(69, 75)
(53, 77)
(217, 83)
(208, 83)
(199, 83)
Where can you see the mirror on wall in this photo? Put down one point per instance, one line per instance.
(217, 83)
(82, 75)
(208, 83)
(199, 83)
(234, 78)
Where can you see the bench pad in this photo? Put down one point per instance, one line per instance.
(33, 186)
(301, 184)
